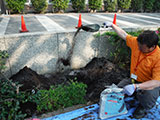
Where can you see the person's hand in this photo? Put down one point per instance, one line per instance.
(129, 89)
(107, 24)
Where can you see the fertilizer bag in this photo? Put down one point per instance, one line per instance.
(112, 102)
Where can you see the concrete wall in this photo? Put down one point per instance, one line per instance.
(41, 51)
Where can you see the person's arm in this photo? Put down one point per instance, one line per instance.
(121, 33)
(155, 81)
(149, 85)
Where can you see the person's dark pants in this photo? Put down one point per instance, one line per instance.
(147, 98)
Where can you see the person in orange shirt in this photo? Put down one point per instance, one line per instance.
(144, 82)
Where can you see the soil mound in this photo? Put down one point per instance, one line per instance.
(97, 74)
(30, 80)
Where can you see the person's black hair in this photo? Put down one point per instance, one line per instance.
(149, 38)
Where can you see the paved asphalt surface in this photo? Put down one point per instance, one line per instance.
(11, 24)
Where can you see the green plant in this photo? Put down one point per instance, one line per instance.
(10, 96)
(60, 96)
(78, 5)
(137, 5)
(110, 5)
(156, 6)
(16, 6)
(39, 5)
(148, 5)
(59, 5)
(121, 53)
(123, 4)
(3, 57)
(10, 101)
(95, 4)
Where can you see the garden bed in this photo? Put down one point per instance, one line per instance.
(97, 74)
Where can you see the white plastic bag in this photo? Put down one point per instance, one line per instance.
(112, 102)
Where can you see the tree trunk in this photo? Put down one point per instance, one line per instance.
(3, 7)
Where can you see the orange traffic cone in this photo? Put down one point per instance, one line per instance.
(114, 19)
(23, 26)
(79, 22)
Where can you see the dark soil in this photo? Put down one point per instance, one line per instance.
(97, 74)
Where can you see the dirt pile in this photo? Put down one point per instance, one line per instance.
(30, 80)
(96, 74)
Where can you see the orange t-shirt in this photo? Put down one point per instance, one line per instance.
(148, 64)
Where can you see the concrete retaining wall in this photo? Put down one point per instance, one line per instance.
(41, 51)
